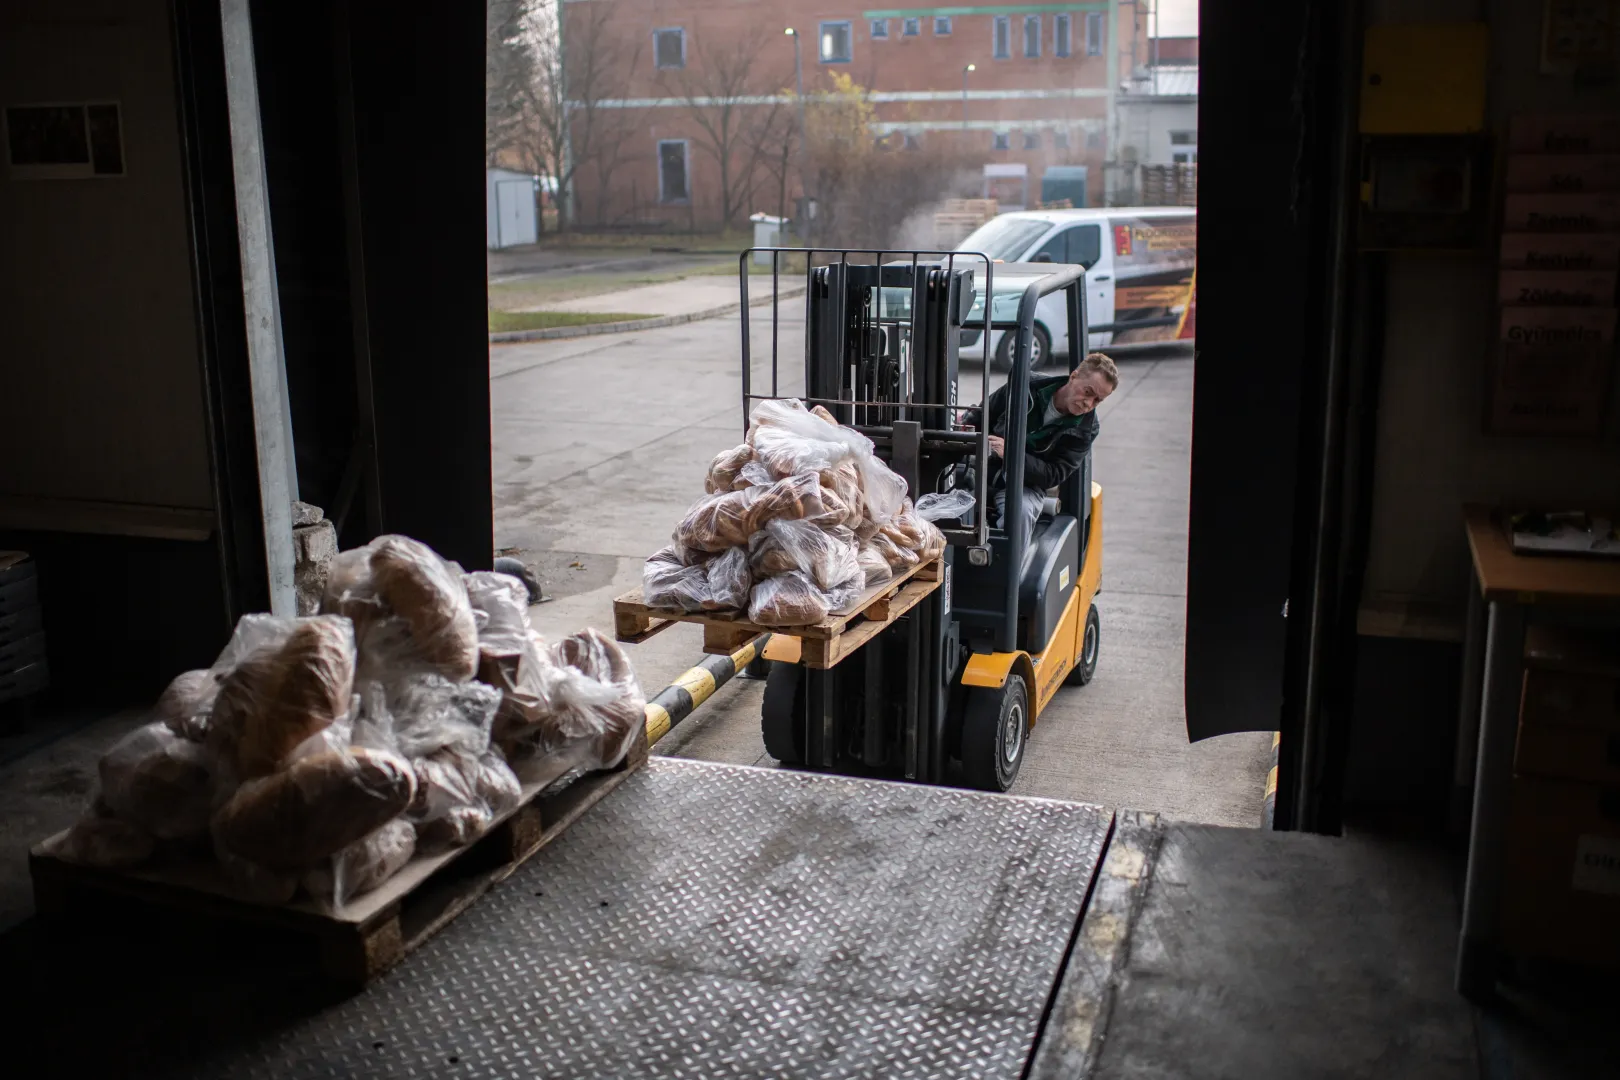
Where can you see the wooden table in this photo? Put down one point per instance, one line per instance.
(1504, 588)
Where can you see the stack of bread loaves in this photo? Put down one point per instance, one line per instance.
(325, 752)
(799, 521)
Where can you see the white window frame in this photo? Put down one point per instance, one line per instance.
(1184, 155)
(1032, 53)
(849, 41)
(911, 27)
(1001, 37)
(1062, 36)
(880, 29)
(681, 31)
(1094, 33)
(942, 26)
(1001, 140)
(686, 171)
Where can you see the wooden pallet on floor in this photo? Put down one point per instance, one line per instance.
(375, 930)
(821, 645)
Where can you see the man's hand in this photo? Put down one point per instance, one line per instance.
(998, 445)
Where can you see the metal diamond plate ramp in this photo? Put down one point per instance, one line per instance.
(710, 921)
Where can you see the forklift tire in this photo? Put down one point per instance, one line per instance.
(995, 730)
(1040, 351)
(1086, 666)
(779, 716)
(758, 668)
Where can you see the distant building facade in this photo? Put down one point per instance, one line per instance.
(665, 84)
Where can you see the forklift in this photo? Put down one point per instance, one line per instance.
(949, 692)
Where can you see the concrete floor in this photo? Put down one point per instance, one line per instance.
(601, 443)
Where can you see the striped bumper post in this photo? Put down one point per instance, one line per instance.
(695, 686)
(1268, 812)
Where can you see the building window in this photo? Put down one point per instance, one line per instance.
(672, 162)
(912, 142)
(1003, 37)
(1032, 36)
(1183, 138)
(1094, 140)
(1060, 138)
(1060, 35)
(942, 25)
(1003, 141)
(1032, 140)
(1094, 42)
(910, 27)
(835, 43)
(669, 48)
(880, 28)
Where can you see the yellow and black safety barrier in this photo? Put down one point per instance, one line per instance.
(1269, 811)
(695, 686)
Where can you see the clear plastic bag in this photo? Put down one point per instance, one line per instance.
(497, 784)
(667, 581)
(503, 602)
(949, 506)
(726, 467)
(874, 567)
(103, 842)
(362, 866)
(827, 557)
(728, 580)
(157, 780)
(845, 482)
(717, 522)
(430, 713)
(899, 558)
(753, 474)
(790, 439)
(594, 666)
(911, 531)
(294, 684)
(313, 808)
(789, 599)
(797, 497)
(187, 705)
(409, 607)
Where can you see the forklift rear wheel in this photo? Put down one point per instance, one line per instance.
(1086, 666)
(779, 717)
(995, 730)
(1040, 349)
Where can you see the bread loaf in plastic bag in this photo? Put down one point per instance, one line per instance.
(430, 713)
(724, 470)
(668, 581)
(157, 780)
(313, 808)
(362, 866)
(827, 556)
(187, 704)
(295, 683)
(789, 599)
(790, 439)
(409, 607)
(717, 522)
(594, 667)
(728, 579)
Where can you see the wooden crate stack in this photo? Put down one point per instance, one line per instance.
(959, 218)
(1170, 185)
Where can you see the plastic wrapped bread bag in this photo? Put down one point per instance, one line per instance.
(282, 693)
(789, 439)
(497, 784)
(430, 713)
(728, 580)
(362, 866)
(844, 598)
(503, 602)
(313, 808)
(845, 482)
(827, 557)
(668, 582)
(157, 780)
(789, 599)
(949, 506)
(723, 471)
(717, 522)
(593, 664)
(754, 474)
(874, 567)
(824, 413)
(898, 557)
(449, 809)
(103, 842)
(796, 497)
(409, 606)
(187, 705)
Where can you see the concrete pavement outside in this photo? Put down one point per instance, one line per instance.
(601, 444)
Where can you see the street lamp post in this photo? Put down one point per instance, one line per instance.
(798, 89)
(965, 71)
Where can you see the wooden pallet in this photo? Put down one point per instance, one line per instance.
(821, 645)
(375, 930)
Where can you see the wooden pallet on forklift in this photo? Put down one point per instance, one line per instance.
(821, 645)
(373, 931)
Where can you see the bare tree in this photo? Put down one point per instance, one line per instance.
(509, 69)
(735, 102)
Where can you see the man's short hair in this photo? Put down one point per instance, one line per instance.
(1100, 363)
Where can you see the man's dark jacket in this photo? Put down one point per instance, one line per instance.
(1054, 450)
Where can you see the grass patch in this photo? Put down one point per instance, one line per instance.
(501, 321)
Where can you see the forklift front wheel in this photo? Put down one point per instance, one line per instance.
(780, 718)
(1086, 665)
(995, 730)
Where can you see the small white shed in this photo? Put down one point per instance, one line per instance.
(512, 208)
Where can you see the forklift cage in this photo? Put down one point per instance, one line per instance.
(904, 434)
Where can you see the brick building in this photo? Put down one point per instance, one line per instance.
(662, 87)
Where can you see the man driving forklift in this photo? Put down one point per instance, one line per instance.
(1062, 426)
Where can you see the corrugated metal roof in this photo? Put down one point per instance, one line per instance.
(1167, 80)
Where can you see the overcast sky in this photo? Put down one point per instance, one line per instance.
(1178, 18)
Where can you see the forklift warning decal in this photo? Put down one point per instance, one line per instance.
(945, 594)
(1063, 578)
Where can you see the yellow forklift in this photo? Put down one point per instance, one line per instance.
(949, 692)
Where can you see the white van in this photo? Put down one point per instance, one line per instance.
(1139, 266)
